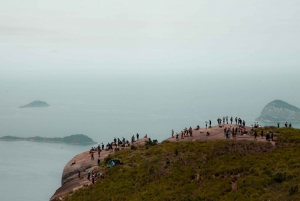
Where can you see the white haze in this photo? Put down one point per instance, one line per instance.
(155, 58)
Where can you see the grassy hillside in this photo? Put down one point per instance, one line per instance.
(212, 170)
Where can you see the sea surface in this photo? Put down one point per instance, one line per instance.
(115, 106)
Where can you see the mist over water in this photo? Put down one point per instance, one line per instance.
(116, 106)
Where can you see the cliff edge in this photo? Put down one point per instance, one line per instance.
(279, 111)
(71, 181)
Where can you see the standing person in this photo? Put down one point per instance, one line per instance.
(177, 137)
(286, 124)
(172, 133)
(102, 146)
(290, 125)
(92, 156)
(278, 124)
(268, 136)
(209, 123)
(231, 120)
(235, 120)
(137, 136)
(99, 150)
(206, 124)
(88, 175)
(227, 119)
(93, 178)
(272, 136)
(191, 131)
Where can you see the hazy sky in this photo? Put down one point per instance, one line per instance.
(96, 37)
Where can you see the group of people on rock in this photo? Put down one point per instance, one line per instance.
(186, 132)
(238, 121)
(117, 142)
(234, 131)
(109, 146)
(89, 174)
(227, 130)
(208, 122)
(269, 136)
(286, 125)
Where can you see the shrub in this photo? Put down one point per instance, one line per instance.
(132, 147)
(293, 190)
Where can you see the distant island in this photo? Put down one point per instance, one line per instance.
(78, 139)
(279, 111)
(35, 104)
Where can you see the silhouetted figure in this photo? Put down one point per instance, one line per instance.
(92, 156)
(88, 175)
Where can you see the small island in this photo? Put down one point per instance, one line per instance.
(78, 139)
(279, 111)
(35, 104)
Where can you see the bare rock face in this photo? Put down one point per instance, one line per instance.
(279, 111)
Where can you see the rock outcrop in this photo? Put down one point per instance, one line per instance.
(279, 111)
(35, 104)
(70, 181)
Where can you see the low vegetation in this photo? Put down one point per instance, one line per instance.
(194, 171)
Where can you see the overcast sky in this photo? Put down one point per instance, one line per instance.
(95, 37)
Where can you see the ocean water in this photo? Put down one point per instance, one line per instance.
(115, 106)
(32, 171)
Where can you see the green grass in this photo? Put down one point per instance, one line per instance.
(213, 170)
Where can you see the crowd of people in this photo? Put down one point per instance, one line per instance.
(227, 129)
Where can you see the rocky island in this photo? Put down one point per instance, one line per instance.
(35, 104)
(78, 139)
(279, 111)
